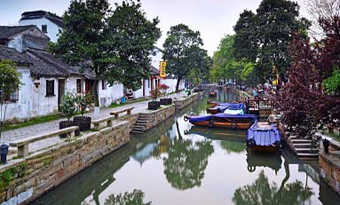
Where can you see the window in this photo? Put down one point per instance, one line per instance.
(78, 85)
(104, 85)
(49, 88)
(44, 28)
(14, 97)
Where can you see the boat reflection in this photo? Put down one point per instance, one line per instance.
(255, 160)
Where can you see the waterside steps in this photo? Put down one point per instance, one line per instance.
(304, 148)
(140, 126)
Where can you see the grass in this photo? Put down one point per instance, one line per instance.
(33, 121)
(129, 102)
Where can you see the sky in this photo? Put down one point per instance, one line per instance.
(213, 18)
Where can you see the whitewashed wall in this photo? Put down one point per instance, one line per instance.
(32, 101)
(172, 84)
(52, 29)
(110, 95)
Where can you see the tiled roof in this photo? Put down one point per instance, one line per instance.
(35, 42)
(40, 14)
(37, 67)
(9, 31)
(154, 71)
(59, 64)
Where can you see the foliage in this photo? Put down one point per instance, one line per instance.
(332, 84)
(226, 65)
(186, 162)
(305, 106)
(155, 93)
(264, 37)
(134, 198)
(84, 101)
(183, 53)
(9, 83)
(132, 37)
(262, 192)
(163, 88)
(68, 105)
(7, 176)
(114, 44)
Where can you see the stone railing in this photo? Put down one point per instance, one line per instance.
(108, 120)
(23, 144)
(33, 175)
(182, 102)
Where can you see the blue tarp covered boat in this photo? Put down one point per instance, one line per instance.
(243, 121)
(264, 137)
(226, 106)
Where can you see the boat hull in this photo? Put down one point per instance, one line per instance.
(243, 126)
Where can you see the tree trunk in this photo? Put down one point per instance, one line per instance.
(95, 93)
(177, 84)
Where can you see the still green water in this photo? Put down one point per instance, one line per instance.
(176, 163)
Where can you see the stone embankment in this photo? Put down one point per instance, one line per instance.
(29, 175)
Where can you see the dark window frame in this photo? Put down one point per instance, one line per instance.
(104, 85)
(44, 28)
(50, 88)
(78, 85)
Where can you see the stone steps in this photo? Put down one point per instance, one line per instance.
(304, 148)
(140, 125)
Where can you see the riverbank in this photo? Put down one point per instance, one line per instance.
(23, 179)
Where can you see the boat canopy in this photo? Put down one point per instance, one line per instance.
(264, 136)
(230, 106)
(221, 116)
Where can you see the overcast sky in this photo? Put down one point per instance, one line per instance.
(213, 18)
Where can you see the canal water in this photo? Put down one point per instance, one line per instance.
(179, 164)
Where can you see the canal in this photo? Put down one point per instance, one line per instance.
(176, 163)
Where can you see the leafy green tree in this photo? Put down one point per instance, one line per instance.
(131, 37)
(182, 50)
(134, 198)
(332, 84)
(114, 44)
(264, 37)
(201, 66)
(9, 83)
(227, 66)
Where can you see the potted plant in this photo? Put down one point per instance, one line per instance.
(154, 105)
(83, 101)
(68, 107)
(165, 101)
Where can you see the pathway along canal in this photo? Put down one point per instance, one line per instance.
(169, 166)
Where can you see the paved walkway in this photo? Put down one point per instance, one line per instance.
(24, 132)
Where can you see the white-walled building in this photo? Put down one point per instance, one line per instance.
(47, 22)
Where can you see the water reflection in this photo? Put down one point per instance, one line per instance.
(263, 192)
(186, 162)
(204, 166)
(134, 198)
(272, 161)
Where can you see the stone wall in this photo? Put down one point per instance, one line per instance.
(158, 116)
(330, 166)
(182, 102)
(23, 180)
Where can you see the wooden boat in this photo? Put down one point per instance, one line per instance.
(223, 120)
(264, 137)
(221, 108)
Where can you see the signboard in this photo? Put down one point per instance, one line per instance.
(162, 72)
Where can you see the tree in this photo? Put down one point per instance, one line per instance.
(114, 44)
(264, 37)
(227, 66)
(200, 64)
(134, 198)
(180, 51)
(9, 83)
(305, 105)
(131, 38)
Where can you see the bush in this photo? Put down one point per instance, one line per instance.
(68, 105)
